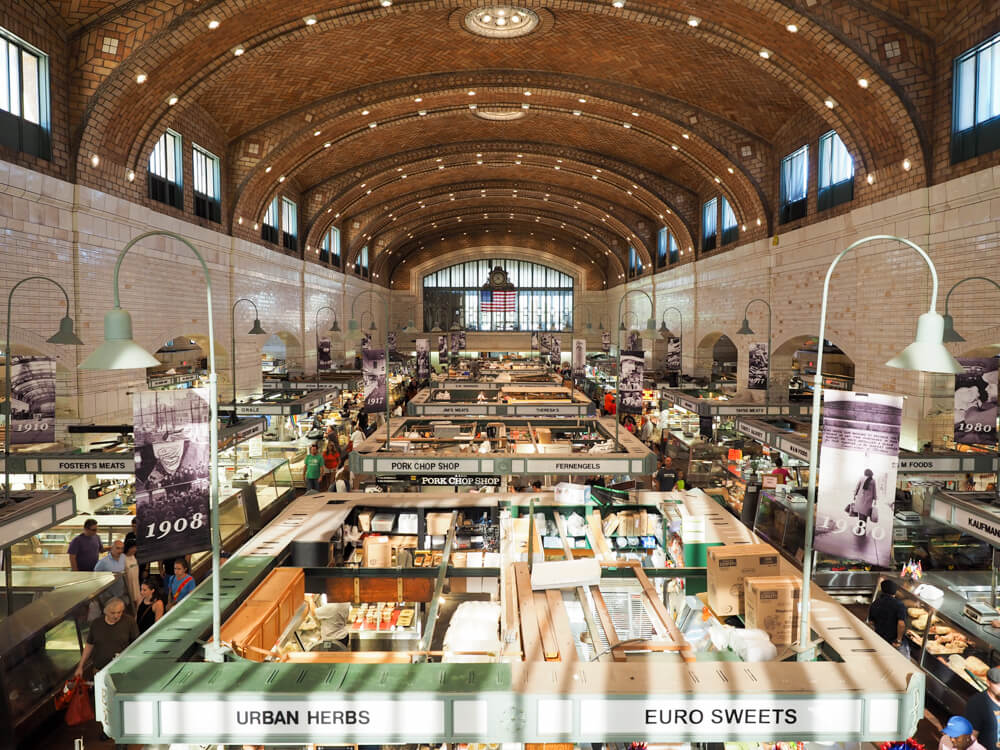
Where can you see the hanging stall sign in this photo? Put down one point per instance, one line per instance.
(171, 473)
(555, 349)
(442, 347)
(606, 341)
(391, 340)
(466, 480)
(373, 375)
(634, 341)
(630, 382)
(857, 475)
(757, 377)
(673, 361)
(544, 343)
(323, 359)
(579, 356)
(423, 359)
(534, 341)
(32, 400)
(976, 402)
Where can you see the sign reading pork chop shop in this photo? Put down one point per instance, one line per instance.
(427, 465)
(720, 717)
(271, 719)
(465, 480)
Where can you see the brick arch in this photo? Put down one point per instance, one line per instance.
(796, 55)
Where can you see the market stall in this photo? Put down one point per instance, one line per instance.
(515, 400)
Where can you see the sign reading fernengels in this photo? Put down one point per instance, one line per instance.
(342, 718)
(596, 464)
(717, 716)
(425, 465)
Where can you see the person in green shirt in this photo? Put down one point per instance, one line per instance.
(680, 484)
(314, 468)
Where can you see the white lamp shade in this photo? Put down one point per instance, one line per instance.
(118, 351)
(927, 353)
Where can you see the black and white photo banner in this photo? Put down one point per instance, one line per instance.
(976, 402)
(373, 375)
(630, 382)
(32, 400)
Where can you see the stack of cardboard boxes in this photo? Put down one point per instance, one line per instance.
(745, 579)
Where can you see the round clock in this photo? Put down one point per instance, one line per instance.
(498, 277)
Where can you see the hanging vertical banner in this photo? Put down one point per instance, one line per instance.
(579, 356)
(458, 341)
(32, 400)
(534, 341)
(976, 402)
(442, 347)
(323, 359)
(857, 475)
(757, 378)
(423, 359)
(391, 336)
(606, 340)
(630, 382)
(366, 341)
(673, 362)
(555, 349)
(171, 473)
(373, 376)
(634, 341)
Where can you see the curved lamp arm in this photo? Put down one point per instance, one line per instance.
(214, 651)
(663, 318)
(618, 328)
(807, 561)
(950, 334)
(256, 312)
(325, 307)
(377, 296)
(758, 299)
(234, 418)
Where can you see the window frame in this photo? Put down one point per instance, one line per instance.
(269, 229)
(834, 193)
(709, 241)
(730, 233)
(790, 210)
(362, 266)
(327, 254)
(289, 239)
(981, 137)
(161, 188)
(17, 132)
(206, 205)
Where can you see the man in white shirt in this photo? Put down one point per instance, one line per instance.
(114, 561)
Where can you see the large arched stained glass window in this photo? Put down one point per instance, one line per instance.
(454, 296)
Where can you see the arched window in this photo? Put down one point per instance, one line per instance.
(543, 298)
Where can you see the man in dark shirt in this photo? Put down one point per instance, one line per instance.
(109, 636)
(666, 477)
(983, 712)
(887, 614)
(85, 548)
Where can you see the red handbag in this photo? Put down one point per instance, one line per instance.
(66, 694)
(81, 709)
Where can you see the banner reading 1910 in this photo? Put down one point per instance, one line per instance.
(171, 473)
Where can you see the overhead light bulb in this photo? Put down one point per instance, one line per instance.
(765, 53)
(863, 83)
(172, 100)
(618, 3)
(310, 20)
(130, 175)
(907, 164)
(213, 24)
(870, 178)
(95, 160)
(237, 51)
(140, 78)
(830, 102)
(386, 3)
(792, 28)
(694, 22)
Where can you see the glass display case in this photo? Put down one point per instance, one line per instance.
(49, 549)
(40, 646)
(234, 526)
(953, 651)
(271, 480)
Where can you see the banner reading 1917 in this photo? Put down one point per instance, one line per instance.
(171, 473)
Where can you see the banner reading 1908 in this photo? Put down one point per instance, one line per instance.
(171, 473)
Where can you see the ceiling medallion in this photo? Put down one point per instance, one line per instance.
(501, 21)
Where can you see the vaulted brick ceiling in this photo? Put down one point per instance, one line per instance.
(634, 115)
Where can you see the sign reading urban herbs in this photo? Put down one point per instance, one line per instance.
(32, 400)
(171, 473)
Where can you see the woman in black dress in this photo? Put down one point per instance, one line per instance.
(151, 605)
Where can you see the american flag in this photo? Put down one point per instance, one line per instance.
(498, 301)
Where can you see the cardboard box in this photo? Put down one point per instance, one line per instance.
(729, 567)
(438, 524)
(772, 605)
(377, 552)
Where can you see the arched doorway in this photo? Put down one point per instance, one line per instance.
(183, 363)
(793, 366)
(282, 352)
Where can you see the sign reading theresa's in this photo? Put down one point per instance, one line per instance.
(422, 465)
(473, 480)
(715, 717)
(346, 718)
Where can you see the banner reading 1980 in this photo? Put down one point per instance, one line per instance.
(976, 402)
(171, 473)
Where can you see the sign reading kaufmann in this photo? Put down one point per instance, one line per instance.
(346, 719)
(718, 717)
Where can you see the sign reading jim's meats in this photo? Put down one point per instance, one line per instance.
(857, 475)
(171, 473)
(976, 402)
(373, 376)
(32, 400)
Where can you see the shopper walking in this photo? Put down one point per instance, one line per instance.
(780, 471)
(114, 561)
(957, 735)
(887, 614)
(343, 481)
(313, 468)
(666, 477)
(109, 636)
(983, 712)
(151, 605)
(181, 583)
(131, 574)
(331, 462)
(86, 547)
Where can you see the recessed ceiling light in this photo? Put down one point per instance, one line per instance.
(582, 100)
(556, 167)
(281, 179)
(618, 3)
(364, 111)
(525, 106)
(310, 20)
(694, 21)
(130, 175)
(635, 114)
(422, 112)
(576, 112)
(441, 166)
(527, 93)
(172, 100)
(758, 222)
(373, 124)
(316, 132)
(327, 144)
(238, 50)
(863, 83)
(907, 164)
(438, 159)
(870, 178)
(256, 226)
(501, 22)
(626, 124)
(765, 53)
(792, 28)
(718, 179)
(674, 146)
(685, 136)
(239, 220)
(386, 3)
(418, 99)
(472, 93)
(213, 24)
(730, 170)
(515, 18)
(830, 102)
(140, 77)
(267, 169)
